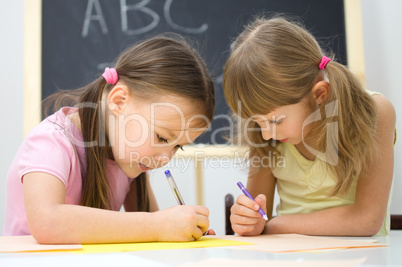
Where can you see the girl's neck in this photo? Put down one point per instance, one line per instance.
(305, 152)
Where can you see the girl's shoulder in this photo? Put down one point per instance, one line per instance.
(386, 115)
(385, 109)
(56, 129)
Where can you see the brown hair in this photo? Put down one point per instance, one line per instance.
(273, 63)
(164, 64)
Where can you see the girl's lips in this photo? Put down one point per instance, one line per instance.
(284, 140)
(143, 167)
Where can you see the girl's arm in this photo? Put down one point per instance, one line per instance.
(53, 222)
(244, 217)
(365, 217)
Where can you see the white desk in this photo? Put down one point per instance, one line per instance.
(382, 256)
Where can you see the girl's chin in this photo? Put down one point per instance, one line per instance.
(131, 173)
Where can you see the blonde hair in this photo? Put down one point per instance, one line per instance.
(273, 63)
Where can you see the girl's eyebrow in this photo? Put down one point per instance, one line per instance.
(277, 117)
(168, 131)
(173, 136)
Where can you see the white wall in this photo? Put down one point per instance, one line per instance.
(11, 82)
(382, 24)
(382, 39)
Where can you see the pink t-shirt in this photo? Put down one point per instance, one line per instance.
(49, 148)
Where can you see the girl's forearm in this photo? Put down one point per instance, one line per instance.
(338, 221)
(77, 224)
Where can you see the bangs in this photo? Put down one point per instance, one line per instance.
(246, 92)
(252, 91)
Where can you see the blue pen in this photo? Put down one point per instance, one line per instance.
(175, 190)
(260, 211)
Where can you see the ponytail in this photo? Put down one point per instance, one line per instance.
(356, 114)
(95, 185)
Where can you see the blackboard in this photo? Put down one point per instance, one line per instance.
(81, 37)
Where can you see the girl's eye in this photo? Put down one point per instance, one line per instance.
(275, 122)
(179, 147)
(161, 139)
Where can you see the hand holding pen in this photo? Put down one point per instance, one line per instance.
(245, 217)
(245, 191)
(178, 196)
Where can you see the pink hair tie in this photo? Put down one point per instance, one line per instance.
(324, 62)
(110, 75)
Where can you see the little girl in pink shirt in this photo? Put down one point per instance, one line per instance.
(79, 166)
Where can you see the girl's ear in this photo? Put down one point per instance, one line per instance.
(320, 92)
(118, 98)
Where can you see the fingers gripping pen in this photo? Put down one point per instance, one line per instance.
(176, 191)
(260, 211)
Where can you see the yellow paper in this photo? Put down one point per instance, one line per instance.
(297, 243)
(203, 242)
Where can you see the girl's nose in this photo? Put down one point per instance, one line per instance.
(268, 133)
(163, 157)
